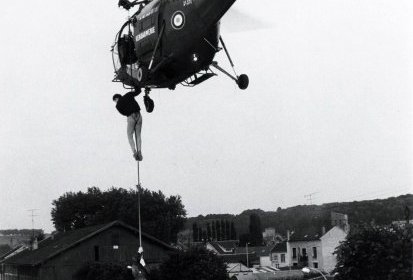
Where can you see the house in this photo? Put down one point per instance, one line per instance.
(305, 250)
(229, 252)
(61, 256)
(14, 240)
(222, 247)
(279, 255)
(263, 253)
(271, 237)
(316, 249)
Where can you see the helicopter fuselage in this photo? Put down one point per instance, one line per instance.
(168, 41)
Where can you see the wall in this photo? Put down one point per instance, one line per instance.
(276, 262)
(265, 261)
(309, 247)
(329, 242)
(64, 266)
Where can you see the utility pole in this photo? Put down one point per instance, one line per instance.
(310, 196)
(32, 215)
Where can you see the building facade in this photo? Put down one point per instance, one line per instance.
(280, 256)
(60, 257)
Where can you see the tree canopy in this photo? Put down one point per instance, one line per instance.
(163, 217)
(304, 217)
(376, 253)
(195, 264)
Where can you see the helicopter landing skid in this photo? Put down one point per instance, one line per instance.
(242, 81)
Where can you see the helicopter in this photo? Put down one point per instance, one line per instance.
(171, 42)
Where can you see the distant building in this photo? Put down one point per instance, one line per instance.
(271, 237)
(14, 240)
(316, 249)
(340, 220)
(61, 256)
(280, 256)
(229, 252)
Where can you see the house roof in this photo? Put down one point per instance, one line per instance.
(280, 247)
(223, 247)
(304, 237)
(310, 234)
(259, 251)
(54, 246)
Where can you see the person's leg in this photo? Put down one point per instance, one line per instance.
(130, 131)
(138, 129)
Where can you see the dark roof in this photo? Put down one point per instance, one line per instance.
(228, 244)
(60, 242)
(222, 247)
(217, 248)
(280, 247)
(263, 251)
(313, 236)
(259, 251)
(10, 252)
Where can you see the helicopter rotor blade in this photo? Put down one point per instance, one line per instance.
(236, 21)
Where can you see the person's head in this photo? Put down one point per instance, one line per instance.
(116, 97)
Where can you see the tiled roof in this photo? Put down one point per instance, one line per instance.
(280, 247)
(61, 242)
(305, 237)
(263, 251)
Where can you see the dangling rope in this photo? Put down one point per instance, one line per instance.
(139, 206)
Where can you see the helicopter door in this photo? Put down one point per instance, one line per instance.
(147, 29)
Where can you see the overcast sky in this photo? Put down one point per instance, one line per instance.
(329, 109)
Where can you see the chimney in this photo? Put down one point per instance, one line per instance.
(288, 235)
(35, 244)
(323, 231)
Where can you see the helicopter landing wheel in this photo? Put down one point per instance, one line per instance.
(243, 81)
(142, 74)
(149, 104)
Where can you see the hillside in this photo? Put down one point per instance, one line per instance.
(304, 217)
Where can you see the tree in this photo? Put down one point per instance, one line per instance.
(233, 231)
(163, 217)
(376, 253)
(195, 236)
(194, 264)
(255, 230)
(209, 232)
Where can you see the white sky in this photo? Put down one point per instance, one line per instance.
(329, 109)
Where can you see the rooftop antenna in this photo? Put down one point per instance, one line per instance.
(32, 215)
(310, 196)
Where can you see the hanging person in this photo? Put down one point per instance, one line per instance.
(128, 107)
(139, 270)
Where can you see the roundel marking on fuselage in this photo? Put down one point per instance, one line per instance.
(178, 20)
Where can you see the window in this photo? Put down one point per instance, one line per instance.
(315, 265)
(314, 252)
(304, 252)
(275, 257)
(97, 256)
(282, 258)
(294, 253)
